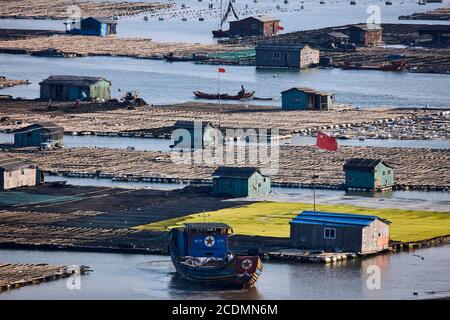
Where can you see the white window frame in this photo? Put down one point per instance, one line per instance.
(276, 55)
(329, 229)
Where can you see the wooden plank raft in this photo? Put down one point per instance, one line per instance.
(17, 275)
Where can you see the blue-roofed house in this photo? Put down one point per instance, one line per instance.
(363, 234)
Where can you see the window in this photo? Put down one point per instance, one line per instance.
(253, 26)
(389, 171)
(329, 233)
(276, 55)
(22, 171)
(302, 238)
(384, 173)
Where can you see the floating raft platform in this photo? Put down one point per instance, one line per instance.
(13, 276)
(311, 256)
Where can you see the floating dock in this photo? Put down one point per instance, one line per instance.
(311, 256)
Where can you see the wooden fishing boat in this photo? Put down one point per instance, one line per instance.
(242, 95)
(200, 253)
(219, 33)
(391, 66)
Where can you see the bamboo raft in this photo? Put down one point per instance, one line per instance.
(58, 10)
(415, 168)
(158, 120)
(13, 276)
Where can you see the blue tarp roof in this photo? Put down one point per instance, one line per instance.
(333, 218)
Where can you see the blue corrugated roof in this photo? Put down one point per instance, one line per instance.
(334, 218)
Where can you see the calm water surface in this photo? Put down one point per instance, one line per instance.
(162, 145)
(119, 276)
(160, 82)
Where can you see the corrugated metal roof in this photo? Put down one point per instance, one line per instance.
(259, 18)
(8, 163)
(363, 164)
(47, 126)
(72, 80)
(102, 20)
(281, 46)
(235, 172)
(182, 124)
(310, 91)
(333, 218)
(336, 34)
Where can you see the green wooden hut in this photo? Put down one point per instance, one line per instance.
(61, 87)
(199, 134)
(368, 174)
(306, 99)
(240, 182)
(37, 134)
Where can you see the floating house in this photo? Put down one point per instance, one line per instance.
(15, 173)
(240, 182)
(365, 35)
(306, 99)
(197, 134)
(92, 26)
(254, 26)
(39, 134)
(62, 87)
(368, 174)
(339, 232)
(294, 56)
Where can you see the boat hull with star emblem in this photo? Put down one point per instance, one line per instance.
(202, 256)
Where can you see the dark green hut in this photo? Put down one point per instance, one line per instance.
(240, 182)
(368, 174)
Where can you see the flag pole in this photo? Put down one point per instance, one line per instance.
(218, 85)
(314, 179)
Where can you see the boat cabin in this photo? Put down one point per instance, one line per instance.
(202, 239)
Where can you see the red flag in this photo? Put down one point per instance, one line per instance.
(280, 28)
(326, 142)
(222, 70)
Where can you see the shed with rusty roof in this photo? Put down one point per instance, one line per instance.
(332, 231)
(37, 134)
(68, 87)
(240, 182)
(302, 98)
(368, 174)
(365, 34)
(15, 173)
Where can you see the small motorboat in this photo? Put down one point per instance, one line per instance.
(353, 2)
(388, 3)
(199, 253)
(242, 95)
